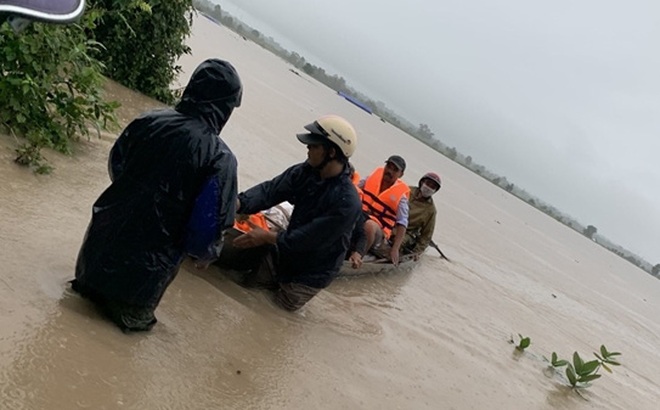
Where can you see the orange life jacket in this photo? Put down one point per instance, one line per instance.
(258, 219)
(356, 178)
(382, 206)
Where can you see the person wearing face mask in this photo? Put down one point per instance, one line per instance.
(422, 212)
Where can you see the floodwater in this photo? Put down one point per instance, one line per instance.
(433, 338)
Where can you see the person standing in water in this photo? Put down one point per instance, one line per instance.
(160, 166)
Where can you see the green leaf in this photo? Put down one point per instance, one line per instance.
(598, 357)
(613, 362)
(606, 368)
(560, 363)
(554, 358)
(588, 378)
(588, 367)
(577, 362)
(614, 354)
(603, 350)
(570, 373)
(524, 343)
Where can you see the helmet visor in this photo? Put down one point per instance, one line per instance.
(312, 139)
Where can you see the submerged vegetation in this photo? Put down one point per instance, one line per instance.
(523, 342)
(579, 373)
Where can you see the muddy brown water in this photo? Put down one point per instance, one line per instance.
(432, 338)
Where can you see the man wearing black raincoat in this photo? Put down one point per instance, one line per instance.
(305, 258)
(173, 192)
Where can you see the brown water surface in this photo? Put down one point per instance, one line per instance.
(433, 338)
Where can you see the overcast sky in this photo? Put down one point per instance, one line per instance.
(562, 97)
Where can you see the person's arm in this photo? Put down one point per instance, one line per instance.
(358, 236)
(358, 246)
(320, 231)
(213, 212)
(399, 229)
(269, 193)
(425, 235)
(120, 151)
(399, 233)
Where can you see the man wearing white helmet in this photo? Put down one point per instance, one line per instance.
(422, 212)
(306, 257)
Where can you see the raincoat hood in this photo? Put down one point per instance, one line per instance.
(212, 93)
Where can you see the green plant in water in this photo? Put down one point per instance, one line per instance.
(556, 362)
(581, 373)
(606, 358)
(523, 342)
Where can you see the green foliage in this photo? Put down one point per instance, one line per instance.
(557, 363)
(523, 343)
(50, 90)
(143, 40)
(580, 373)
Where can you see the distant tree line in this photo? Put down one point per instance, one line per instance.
(422, 131)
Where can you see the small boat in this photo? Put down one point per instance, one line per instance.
(277, 218)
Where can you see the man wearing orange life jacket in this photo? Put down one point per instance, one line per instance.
(385, 202)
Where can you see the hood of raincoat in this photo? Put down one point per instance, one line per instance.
(212, 93)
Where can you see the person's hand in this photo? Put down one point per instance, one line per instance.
(394, 255)
(356, 260)
(255, 237)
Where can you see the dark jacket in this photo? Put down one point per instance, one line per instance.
(358, 237)
(159, 166)
(313, 247)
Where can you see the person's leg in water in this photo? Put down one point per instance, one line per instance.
(292, 296)
(127, 317)
(289, 296)
(251, 267)
(259, 271)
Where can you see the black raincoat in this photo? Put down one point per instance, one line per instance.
(159, 166)
(312, 248)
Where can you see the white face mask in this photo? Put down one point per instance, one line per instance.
(426, 190)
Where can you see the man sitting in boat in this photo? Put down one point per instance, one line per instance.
(385, 203)
(422, 212)
(303, 259)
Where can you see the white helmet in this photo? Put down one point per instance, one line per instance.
(334, 129)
